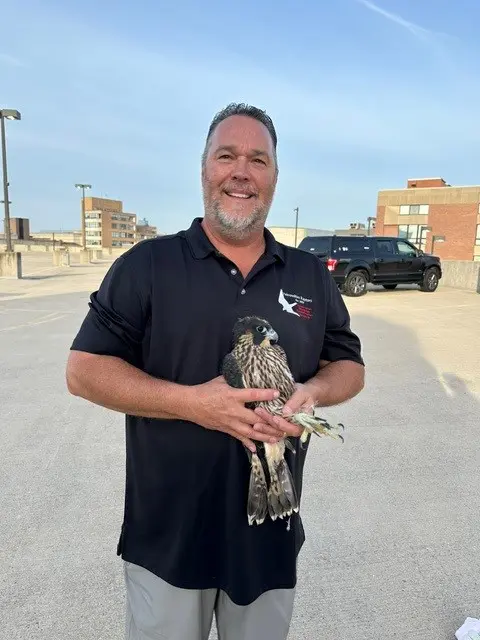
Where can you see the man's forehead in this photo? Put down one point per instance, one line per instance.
(239, 129)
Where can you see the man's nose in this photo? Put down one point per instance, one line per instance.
(241, 170)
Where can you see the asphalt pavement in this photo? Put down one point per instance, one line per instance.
(391, 517)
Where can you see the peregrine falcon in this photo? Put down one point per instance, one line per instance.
(257, 361)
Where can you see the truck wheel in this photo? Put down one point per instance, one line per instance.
(356, 284)
(390, 287)
(430, 280)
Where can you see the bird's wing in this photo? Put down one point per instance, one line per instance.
(281, 352)
(232, 372)
(281, 298)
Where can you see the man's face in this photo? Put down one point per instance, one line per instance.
(239, 176)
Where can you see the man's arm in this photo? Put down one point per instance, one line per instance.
(115, 384)
(336, 382)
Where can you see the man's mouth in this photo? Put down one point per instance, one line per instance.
(239, 194)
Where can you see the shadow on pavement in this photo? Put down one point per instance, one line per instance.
(391, 518)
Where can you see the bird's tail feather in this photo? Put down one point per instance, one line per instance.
(257, 492)
(282, 497)
(318, 426)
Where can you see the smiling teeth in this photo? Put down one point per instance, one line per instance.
(239, 195)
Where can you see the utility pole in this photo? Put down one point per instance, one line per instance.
(7, 114)
(296, 224)
(83, 187)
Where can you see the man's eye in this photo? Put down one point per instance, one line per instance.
(224, 156)
(260, 161)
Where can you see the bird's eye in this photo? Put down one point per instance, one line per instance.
(262, 329)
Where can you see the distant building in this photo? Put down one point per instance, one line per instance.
(58, 235)
(430, 207)
(19, 229)
(286, 235)
(358, 229)
(107, 225)
(144, 231)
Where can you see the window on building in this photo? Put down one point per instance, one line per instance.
(414, 209)
(477, 239)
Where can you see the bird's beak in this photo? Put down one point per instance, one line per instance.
(272, 335)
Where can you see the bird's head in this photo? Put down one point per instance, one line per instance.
(258, 331)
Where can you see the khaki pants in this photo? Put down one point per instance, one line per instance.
(158, 611)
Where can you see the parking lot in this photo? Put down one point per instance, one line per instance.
(391, 517)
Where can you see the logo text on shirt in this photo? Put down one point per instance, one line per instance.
(297, 305)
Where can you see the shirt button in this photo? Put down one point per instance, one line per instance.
(234, 272)
(243, 292)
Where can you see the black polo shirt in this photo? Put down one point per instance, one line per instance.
(168, 306)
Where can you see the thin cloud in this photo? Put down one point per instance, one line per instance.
(10, 61)
(414, 29)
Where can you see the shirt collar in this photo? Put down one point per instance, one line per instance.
(201, 246)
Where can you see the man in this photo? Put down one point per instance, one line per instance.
(151, 347)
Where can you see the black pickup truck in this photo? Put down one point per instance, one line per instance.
(354, 261)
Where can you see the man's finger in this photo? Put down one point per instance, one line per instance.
(249, 432)
(268, 429)
(255, 395)
(245, 441)
(279, 423)
(296, 403)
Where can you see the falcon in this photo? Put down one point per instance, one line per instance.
(258, 361)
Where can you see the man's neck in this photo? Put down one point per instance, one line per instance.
(244, 253)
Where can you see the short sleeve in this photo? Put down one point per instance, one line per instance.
(340, 342)
(119, 310)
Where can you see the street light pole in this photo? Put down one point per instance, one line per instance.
(296, 224)
(83, 187)
(6, 114)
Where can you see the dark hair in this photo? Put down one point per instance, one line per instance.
(241, 109)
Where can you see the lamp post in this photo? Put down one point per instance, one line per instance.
(83, 187)
(7, 114)
(296, 224)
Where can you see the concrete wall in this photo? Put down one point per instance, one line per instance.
(10, 264)
(286, 235)
(461, 274)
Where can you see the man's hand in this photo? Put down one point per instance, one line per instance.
(216, 405)
(334, 383)
(302, 400)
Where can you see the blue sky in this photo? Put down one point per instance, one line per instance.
(364, 95)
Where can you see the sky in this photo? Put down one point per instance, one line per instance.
(364, 95)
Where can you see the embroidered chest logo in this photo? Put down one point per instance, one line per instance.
(296, 305)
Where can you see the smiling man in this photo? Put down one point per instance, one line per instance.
(151, 346)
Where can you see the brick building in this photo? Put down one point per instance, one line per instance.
(430, 207)
(19, 228)
(145, 231)
(107, 225)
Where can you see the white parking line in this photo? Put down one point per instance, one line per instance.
(32, 323)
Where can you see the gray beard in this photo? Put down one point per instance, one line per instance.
(237, 227)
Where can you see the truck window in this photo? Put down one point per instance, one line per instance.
(405, 249)
(318, 244)
(385, 247)
(345, 246)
